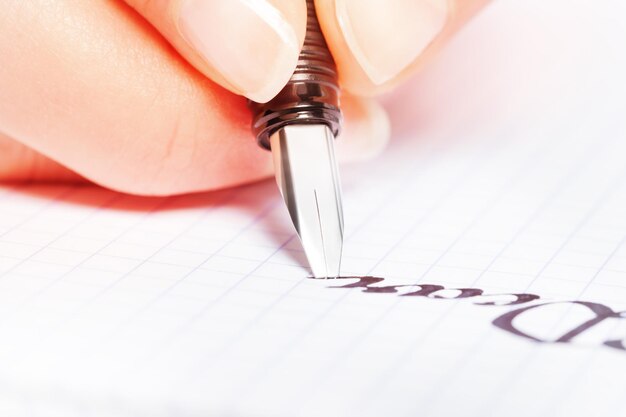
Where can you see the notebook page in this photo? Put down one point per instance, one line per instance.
(484, 266)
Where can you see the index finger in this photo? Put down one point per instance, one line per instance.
(379, 43)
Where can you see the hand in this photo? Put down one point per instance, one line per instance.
(145, 96)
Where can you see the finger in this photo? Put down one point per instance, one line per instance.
(366, 132)
(250, 47)
(108, 98)
(379, 43)
(20, 163)
(365, 136)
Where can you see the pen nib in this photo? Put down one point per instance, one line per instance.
(307, 175)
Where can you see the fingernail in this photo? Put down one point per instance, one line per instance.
(248, 42)
(366, 133)
(386, 36)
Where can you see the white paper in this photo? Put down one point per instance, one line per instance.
(506, 177)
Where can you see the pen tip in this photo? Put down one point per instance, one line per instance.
(307, 175)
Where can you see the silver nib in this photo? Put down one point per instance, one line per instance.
(306, 173)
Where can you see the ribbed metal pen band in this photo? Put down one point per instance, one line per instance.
(312, 94)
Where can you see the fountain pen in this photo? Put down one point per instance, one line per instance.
(299, 127)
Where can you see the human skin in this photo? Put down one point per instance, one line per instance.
(149, 96)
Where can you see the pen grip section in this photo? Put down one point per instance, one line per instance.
(312, 94)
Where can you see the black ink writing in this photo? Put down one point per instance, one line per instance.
(506, 322)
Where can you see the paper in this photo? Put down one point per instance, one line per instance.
(488, 246)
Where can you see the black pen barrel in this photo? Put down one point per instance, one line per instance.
(311, 96)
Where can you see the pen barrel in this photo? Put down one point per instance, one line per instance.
(312, 94)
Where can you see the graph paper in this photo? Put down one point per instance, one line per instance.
(484, 271)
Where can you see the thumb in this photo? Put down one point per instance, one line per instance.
(250, 47)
